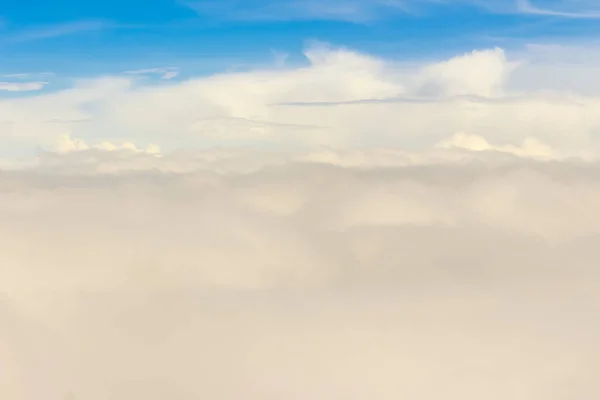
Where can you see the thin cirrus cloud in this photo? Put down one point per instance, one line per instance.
(25, 75)
(53, 31)
(16, 76)
(165, 73)
(357, 11)
(564, 9)
(22, 86)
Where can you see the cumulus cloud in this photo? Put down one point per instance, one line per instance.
(66, 144)
(479, 73)
(339, 99)
(268, 274)
(531, 148)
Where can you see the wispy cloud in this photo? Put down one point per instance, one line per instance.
(525, 6)
(22, 86)
(54, 30)
(16, 76)
(357, 11)
(364, 11)
(26, 75)
(167, 73)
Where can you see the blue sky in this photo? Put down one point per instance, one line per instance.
(89, 37)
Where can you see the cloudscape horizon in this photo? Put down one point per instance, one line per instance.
(300, 200)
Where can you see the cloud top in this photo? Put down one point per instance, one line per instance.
(264, 275)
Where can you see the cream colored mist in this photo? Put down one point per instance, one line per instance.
(247, 276)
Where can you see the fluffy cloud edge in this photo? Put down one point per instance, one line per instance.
(341, 99)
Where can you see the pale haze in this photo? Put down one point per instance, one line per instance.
(354, 225)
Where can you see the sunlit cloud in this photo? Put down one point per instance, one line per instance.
(339, 100)
(22, 86)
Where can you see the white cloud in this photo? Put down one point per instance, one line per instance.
(531, 147)
(577, 9)
(16, 76)
(266, 275)
(167, 73)
(341, 99)
(366, 11)
(480, 73)
(27, 75)
(54, 30)
(22, 86)
(66, 144)
(355, 11)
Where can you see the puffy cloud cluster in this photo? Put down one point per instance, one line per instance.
(66, 144)
(540, 100)
(232, 274)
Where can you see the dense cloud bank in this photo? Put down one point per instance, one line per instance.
(320, 275)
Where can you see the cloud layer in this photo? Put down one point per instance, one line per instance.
(229, 274)
(354, 227)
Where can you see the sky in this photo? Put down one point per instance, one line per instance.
(291, 199)
(101, 37)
